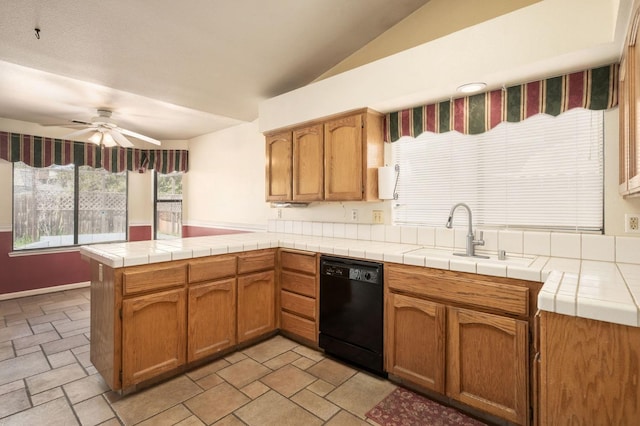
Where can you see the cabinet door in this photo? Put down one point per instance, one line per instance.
(415, 348)
(589, 372)
(212, 318)
(626, 132)
(308, 164)
(256, 305)
(343, 179)
(633, 78)
(153, 335)
(487, 363)
(278, 167)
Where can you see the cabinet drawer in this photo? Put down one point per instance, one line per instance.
(301, 262)
(299, 326)
(301, 305)
(256, 261)
(459, 288)
(212, 268)
(143, 278)
(298, 283)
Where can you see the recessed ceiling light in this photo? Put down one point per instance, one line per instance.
(471, 87)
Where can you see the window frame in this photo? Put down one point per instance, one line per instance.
(156, 175)
(76, 213)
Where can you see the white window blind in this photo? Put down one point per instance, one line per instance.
(544, 172)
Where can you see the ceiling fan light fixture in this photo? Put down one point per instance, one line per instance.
(471, 87)
(107, 140)
(96, 138)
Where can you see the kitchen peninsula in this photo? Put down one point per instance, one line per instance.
(243, 270)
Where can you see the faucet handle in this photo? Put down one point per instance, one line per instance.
(479, 241)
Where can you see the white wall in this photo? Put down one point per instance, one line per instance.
(226, 179)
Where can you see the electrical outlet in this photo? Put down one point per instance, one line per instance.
(279, 213)
(632, 223)
(378, 216)
(354, 215)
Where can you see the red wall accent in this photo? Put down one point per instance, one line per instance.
(201, 231)
(32, 272)
(22, 273)
(140, 233)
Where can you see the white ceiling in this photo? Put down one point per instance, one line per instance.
(170, 69)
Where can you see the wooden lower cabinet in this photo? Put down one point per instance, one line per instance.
(589, 372)
(415, 333)
(256, 304)
(487, 363)
(299, 289)
(212, 318)
(154, 335)
(461, 335)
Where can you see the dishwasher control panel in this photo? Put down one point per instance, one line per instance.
(361, 274)
(347, 271)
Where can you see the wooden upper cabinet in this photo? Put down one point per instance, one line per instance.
(634, 109)
(343, 159)
(624, 109)
(308, 161)
(332, 159)
(629, 103)
(278, 167)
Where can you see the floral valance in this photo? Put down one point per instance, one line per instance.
(594, 89)
(37, 151)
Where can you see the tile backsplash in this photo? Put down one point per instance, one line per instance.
(529, 243)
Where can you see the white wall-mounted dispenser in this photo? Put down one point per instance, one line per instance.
(387, 181)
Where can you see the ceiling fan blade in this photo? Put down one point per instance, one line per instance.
(70, 123)
(120, 139)
(79, 132)
(139, 136)
(65, 125)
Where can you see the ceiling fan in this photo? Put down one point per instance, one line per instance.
(106, 132)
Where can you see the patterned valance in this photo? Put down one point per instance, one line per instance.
(161, 160)
(594, 89)
(37, 151)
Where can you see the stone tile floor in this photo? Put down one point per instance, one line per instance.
(46, 378)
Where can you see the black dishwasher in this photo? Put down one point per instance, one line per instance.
(351, 311)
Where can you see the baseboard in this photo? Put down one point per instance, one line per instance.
(44, 290)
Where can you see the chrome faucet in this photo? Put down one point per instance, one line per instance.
(471, 241)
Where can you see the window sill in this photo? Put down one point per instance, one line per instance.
(34, 252)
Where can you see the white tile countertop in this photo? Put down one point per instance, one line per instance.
(598, 290)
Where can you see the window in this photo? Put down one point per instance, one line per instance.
(61, 206)
(543, 172)
(168, 206)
